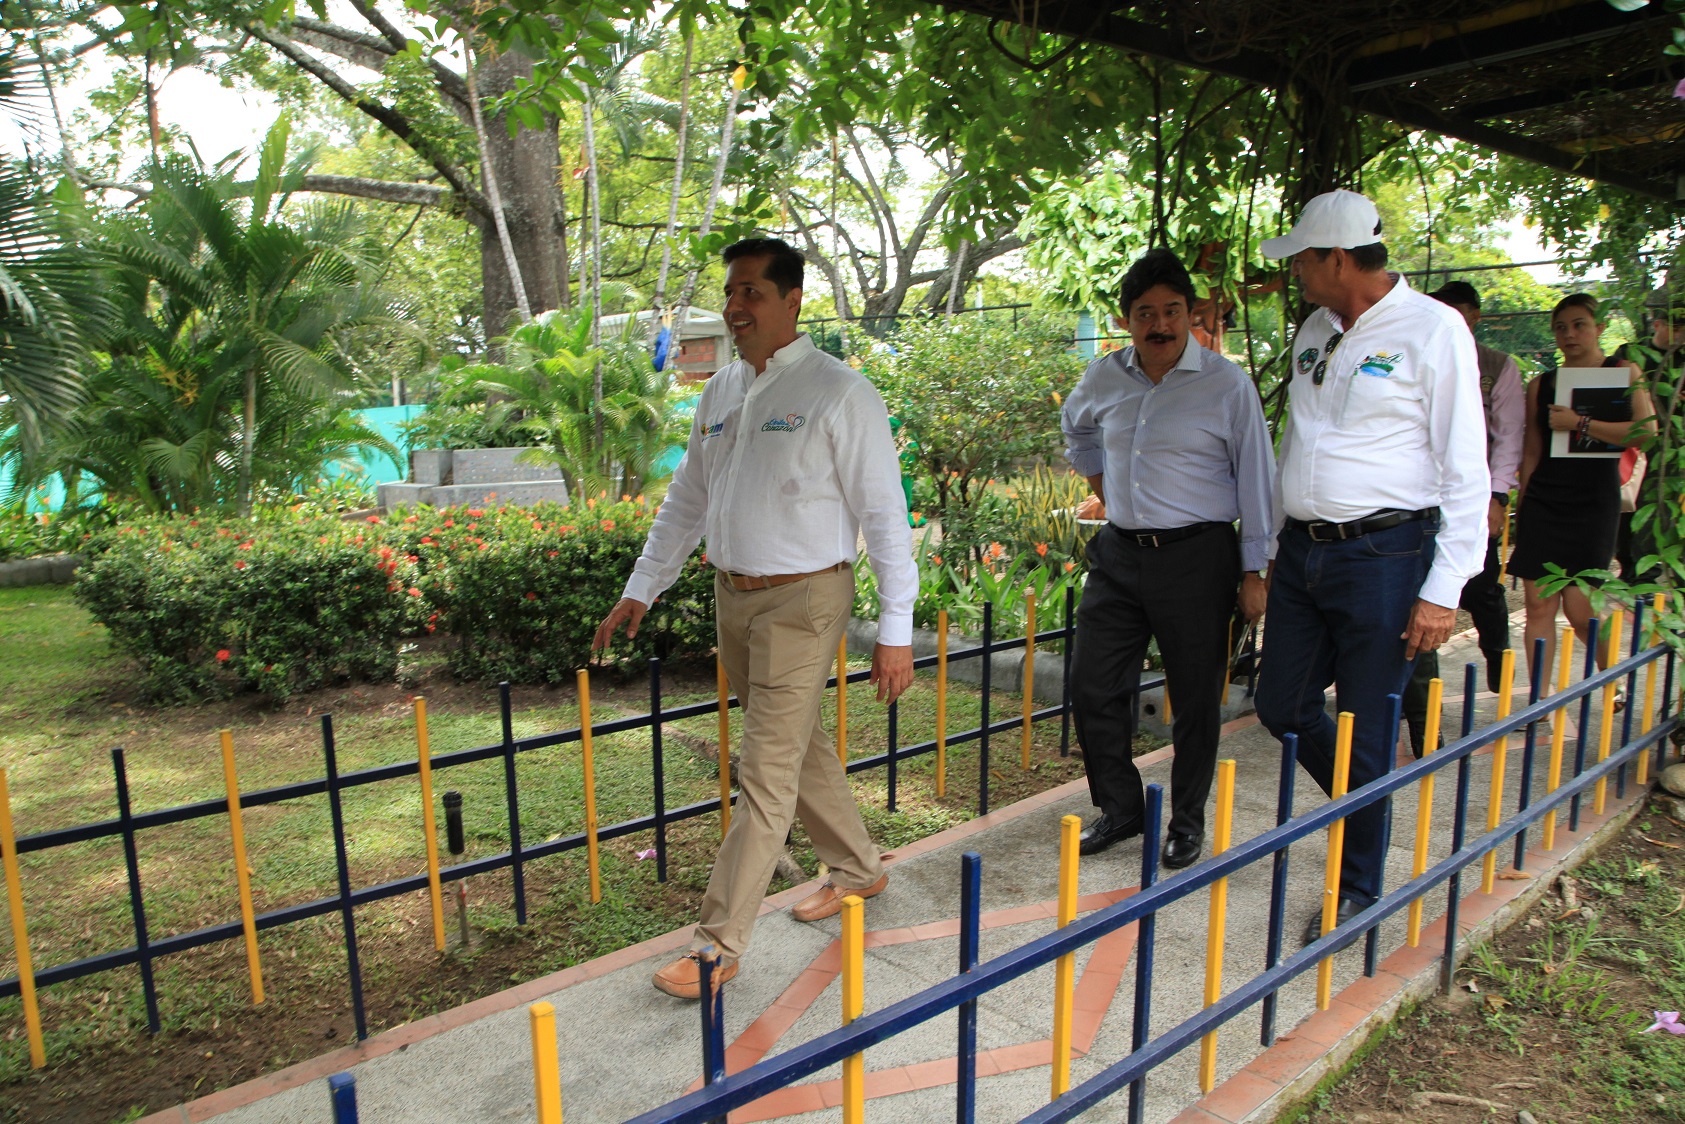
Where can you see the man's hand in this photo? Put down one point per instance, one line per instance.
(1496, 512)
(1254, 595)
(626, 612)
(892, 671)
(1430, 626)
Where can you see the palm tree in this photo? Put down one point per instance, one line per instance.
(266, 299)
(45, 291)
(545, 389)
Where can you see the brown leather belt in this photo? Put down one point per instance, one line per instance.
(744, 583)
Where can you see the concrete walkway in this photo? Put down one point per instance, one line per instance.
(626, 1048)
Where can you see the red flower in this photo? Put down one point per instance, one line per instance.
(414, 592)
(374, 519)
(608, 524)
(426, 542)
(247, 545)
(473, 526)
(450, 522)
(553, 553)
(223, 655)
(385, 552)
(532, 596)
(411, 519)
(476, 512)
(432, 628)
(239, 565)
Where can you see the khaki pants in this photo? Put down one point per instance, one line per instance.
(778, 646)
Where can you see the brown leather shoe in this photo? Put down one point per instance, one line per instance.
(827, 900)
(682, 979)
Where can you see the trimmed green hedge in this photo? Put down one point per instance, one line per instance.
(292, 601)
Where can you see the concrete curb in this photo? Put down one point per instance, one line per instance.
(52, 569)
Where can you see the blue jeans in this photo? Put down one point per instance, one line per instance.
(1337, 613)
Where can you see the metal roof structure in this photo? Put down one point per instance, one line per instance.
(1577, 85)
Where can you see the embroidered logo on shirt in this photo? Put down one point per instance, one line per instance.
(1307, 360)
(1379, 365)
(713, 430)
(789, 423)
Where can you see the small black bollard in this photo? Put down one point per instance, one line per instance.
(453, 822)
(455, 841)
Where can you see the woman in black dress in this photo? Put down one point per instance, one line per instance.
(1570, 507)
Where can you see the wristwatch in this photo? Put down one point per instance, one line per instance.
(1501, 497)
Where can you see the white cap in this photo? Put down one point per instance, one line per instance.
(1341, 219)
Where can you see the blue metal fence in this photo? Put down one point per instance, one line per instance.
(960, 994)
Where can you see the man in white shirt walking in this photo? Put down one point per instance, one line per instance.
(1380, 508)
(790, 462)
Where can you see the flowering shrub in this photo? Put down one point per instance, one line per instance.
(296, 599)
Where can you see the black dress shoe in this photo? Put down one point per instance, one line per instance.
(1182, 850)
(1105, 831)
(1348, 909)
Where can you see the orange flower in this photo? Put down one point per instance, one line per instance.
(239, 565)
(1069, 566)
(374, 519)
(935, 559)
(1041, 549)
(996, 550)
(608, 524)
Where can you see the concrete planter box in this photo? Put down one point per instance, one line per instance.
(446, 477)
(54, 569)
(1006, 672)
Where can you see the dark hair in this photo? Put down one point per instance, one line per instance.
(1457, 293)
(1575, 300)
(1366, 258)
(1155, 267)
(784, 266)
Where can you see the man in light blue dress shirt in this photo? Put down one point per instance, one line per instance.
(1172, 438)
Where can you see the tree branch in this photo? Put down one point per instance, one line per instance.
(367, 51)
(449, 80)
(395, 122)
(386, 191)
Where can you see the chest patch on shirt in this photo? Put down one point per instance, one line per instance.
(1307, 360)
(713, 430)
(789, 423)
(1380, 366)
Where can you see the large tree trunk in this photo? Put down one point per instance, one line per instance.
(525, 167)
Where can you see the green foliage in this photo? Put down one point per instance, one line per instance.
(211, 608)
(297, 598)
(25, 534)
(975, 400)
(523, 589)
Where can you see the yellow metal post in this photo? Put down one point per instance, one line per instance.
(725, 746)
(590, 785)
(1029, 669)
(842, 701)
(1643, 775)
(854, 1004)
(429, 825)
(1616, 625)
(546, 1078)
(941, 703)
(1336, 843)
(1065, 968)
(1500, 754)
(242, 868)
(1216, 928)
(1424, 803)
(20, 929)
(1558, 731)
(1167, 698)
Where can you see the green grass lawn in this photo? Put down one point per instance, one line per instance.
(66, 699)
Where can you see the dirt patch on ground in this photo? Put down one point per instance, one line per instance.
(1551, 1019)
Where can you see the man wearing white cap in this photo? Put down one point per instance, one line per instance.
(1380, 508)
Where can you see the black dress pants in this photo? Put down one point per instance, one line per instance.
(1183, 594)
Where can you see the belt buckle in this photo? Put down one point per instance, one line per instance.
(1315, 537)
(1147, 540)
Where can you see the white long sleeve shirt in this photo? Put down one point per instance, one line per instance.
(1397, 423)
(784, 473)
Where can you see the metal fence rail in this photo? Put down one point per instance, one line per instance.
(147, 947)
(960, 993)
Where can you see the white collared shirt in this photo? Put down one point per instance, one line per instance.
(784, 473)
(1398, 423)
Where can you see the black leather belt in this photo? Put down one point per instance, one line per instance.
(1164, 538)
(1320, 531)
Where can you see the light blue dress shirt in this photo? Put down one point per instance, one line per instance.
(1191, 449)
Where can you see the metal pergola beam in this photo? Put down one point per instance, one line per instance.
(1560, 97)
(1081, 21)
(1550, 33)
